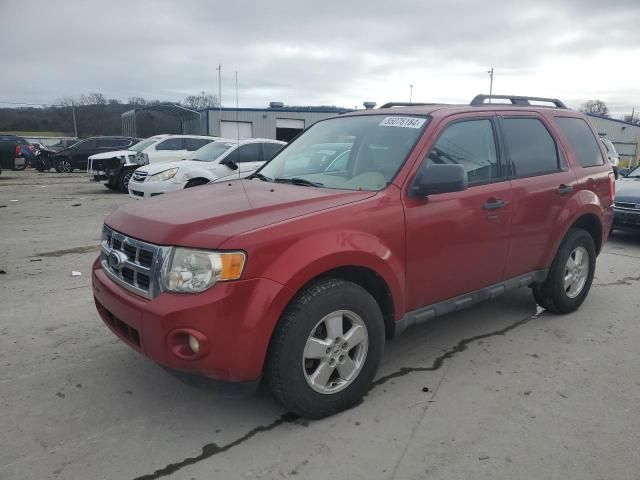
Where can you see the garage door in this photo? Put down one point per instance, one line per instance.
(232, 129)
(288, 128)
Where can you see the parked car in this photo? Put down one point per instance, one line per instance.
(612, 155)
(117, 167)
(627, 203)
(75, 157)
(223, 159)
(14, 152)
(301, 279)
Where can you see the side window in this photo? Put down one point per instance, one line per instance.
(582, 141)
(107, 143)
(269, 150)
(194, 144)
(531, 147)
(472, 144)
(87, 145)
(171, 144)
(249, 152)
(123, 142)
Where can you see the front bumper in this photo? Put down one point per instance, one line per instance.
(140, 190)
(626, 219)
(237, 319)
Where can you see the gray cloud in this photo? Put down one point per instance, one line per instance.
(320, 52)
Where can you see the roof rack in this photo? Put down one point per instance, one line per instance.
(479, 100)
(406, 104)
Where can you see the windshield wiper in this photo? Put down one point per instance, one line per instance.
(259, 176)
(298, 181)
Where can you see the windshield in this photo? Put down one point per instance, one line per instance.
(140, 146)
(210, 151)
(352, 153)
(634, 173)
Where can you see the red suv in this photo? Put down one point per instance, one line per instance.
(366, 224)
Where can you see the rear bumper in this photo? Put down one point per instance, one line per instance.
(236, 318)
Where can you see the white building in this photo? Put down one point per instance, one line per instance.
(624, 135)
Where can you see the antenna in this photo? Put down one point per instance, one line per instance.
(238, 124)
(219, 99)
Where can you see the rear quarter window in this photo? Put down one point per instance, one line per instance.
(532, 150)
(582, 141)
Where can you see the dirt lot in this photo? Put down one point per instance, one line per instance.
(494, 392)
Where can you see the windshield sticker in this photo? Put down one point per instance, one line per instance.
(405, 122)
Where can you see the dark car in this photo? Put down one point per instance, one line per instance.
(15, 152)
(627, 203)
(75, 157)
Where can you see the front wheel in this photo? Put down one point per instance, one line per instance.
(571, 274)
(326, 349)
(123, 180)
(64, 165)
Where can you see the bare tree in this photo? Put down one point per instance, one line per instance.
(595, 106)
(138, 101)
(96, 98)
(198, 102)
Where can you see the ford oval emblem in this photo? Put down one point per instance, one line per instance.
(117, 259)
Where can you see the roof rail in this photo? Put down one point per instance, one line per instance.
(479, 100)
(406, 104)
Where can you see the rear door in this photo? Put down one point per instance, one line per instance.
(168, 150)
(80, 154)
(541, 184)
(457, 242)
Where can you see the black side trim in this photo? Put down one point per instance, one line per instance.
(424, 314)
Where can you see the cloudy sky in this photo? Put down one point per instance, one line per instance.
(321, 52)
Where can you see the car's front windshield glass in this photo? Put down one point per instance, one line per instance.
(634, 173)
(352, 153)
(140, 146)
(210, 152)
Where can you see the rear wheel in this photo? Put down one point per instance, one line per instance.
(64, 165)
(326, 349)
(571, 274)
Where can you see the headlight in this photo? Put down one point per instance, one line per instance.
(162, 176)
(191, 270)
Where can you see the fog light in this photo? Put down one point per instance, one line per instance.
(194, 345)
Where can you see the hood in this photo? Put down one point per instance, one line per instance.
(115, 153)
(206, 216)
(628, 190)
(154, 168)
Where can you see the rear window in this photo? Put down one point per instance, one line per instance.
(532, 150)
(193, 144)
(582, 140)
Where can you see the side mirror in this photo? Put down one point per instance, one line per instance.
(229, 163)
(434, 179)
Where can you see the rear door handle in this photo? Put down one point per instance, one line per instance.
(564, 189)
(493, 204)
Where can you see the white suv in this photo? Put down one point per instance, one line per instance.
(116, 167)
(223, 159)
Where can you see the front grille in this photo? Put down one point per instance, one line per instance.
(627, 205)
(131, 263)
(139, 176)
(627, 218)
(126, 331)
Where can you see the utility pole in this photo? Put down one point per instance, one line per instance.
(73, 110)
(219, 99)
(490, 72)
(410, 92)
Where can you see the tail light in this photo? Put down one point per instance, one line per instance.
(612, 186)
(18, 151)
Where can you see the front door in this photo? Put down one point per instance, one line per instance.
(457, 242)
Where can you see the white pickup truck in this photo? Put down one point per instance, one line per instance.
(116, 168)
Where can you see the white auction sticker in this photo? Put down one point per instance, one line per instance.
(406, 122)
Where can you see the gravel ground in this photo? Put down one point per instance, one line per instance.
(494, 392)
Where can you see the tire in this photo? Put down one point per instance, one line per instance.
(123, 180)
(111, 186)
(64, 165)
(194, 182)
(553, 294)
(297, 357)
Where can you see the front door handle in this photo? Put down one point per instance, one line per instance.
(565, 189)
(493, 204)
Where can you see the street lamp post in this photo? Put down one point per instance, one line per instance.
(490, 72)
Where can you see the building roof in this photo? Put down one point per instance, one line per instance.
(594, 115)
(309, 109)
